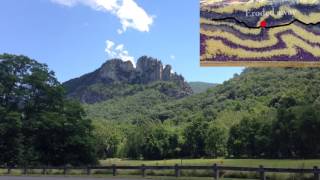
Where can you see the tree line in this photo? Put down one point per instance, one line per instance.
(286, 130)
(293, 133)
(287, 127)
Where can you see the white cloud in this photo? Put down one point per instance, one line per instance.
(118, 51)
(120, 47)
(172, 57)
(130, 14)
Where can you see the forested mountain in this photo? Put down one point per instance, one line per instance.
(200, 87)
(250, 92)
(259, 113)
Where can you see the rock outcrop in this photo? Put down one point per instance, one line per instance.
(116, 70)
(115, 73)
(166, 76)
(149, 69)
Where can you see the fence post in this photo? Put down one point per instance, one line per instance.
(25, 170)
(316, 173)
(65, 170)
(143, 170)
(114, 170)
(215, 172)
(44, 170)
(88, 170)
(177, 170)
(262, 173)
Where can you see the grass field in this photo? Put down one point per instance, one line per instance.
(194, 174)
(285, 163)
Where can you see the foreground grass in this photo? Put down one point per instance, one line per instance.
(130, 177)
(285, 163)
(191, 174)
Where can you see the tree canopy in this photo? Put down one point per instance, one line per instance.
(37, 124)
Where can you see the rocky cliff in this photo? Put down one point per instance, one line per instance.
(118, 78)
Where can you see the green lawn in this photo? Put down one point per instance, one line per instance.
(226, 162)
(195, 174)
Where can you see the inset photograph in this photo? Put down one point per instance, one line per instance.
(260, 33)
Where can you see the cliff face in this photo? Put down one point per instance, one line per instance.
(116, 71)
(149, 69)
(118, 78)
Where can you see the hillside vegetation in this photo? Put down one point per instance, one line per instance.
(248, 93)
(263, 112)
(135, 107)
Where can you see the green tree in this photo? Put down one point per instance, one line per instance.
(108, 138)
(216, 141)
(195, 136)
(10, 138)
(66, 137)
(250, 138)
(46, 128)
(133, 142)
(159, 142)
(308, 132)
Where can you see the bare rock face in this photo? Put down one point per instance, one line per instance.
(116, 70)
(111, 79)
(149, 69)
(167, 73)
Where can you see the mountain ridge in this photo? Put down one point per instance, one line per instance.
(249, 93)
(200, 87)
(120, 78)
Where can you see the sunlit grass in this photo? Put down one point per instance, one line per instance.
(285, 163)
(187, 174)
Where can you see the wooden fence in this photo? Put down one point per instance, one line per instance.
(215, 169)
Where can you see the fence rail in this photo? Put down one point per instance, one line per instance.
(216, 169)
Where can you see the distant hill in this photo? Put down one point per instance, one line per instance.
(249, 93)
(117, 79)
(199, 87)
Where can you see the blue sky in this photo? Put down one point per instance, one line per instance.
(71, 35)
